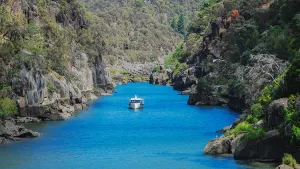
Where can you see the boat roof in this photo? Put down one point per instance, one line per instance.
(136, 98)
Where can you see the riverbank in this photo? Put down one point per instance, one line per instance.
(12, 129)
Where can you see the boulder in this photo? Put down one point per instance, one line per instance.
(272, 146)
(283, 166)
(269, 148)
(27, 134)
(275, 113)
(218, 146)
(244, 149)
(10, 132)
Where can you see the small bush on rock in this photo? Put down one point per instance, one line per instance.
(8, 108)
(250, 132)
(51, 86)
(289, 160)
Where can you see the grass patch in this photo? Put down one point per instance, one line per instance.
(51, 87)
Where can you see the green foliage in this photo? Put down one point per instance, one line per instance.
(181, 25)
(157, 69)
(64, 100)
(5, 19)
(4, 86)
(174, 61)
(292, 117)
(255, 134)
(289, 160)
(257, 109)
(295, 133)
(251, 133)
(139, 3)
(203, 87)
(122, 72)
(250, 119)
(273, 91)
(8, 108)
(236, 88)
(51, 87)
(174, 24)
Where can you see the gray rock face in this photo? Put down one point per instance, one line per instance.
(184, 82)
(40, 95)
(224, 129)
(236, 104)
(283, 166)
(270, 148)
(218, 146)
(201, 100)
(244, 149)
(10, 132)
(162, 78)
(275, 113)
(27, 120)
(297, 103)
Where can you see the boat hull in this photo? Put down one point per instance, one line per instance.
(135, 105)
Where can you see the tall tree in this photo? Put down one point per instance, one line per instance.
(180, 25)
(174, 24)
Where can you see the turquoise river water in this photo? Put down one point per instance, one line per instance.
(166, 134)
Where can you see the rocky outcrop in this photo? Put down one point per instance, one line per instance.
(236, 104)
(162, 78)
(52, 96)
(243, 148)
(269, 148)
(275, 113)
(206, 100)
(283, 166)
(27, 120)
(218, 146)
(124, 72)
(10, 132)
(224, 129)
(184, 82)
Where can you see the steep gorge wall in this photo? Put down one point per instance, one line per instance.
(44, 64)
(46, 95)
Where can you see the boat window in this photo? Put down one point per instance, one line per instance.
(135, 101)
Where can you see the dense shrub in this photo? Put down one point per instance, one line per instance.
(8, 108)
(250, 131)
(257, 109)
(289, 160)
(203, 87)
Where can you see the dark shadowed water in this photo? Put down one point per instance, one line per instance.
(166, 134)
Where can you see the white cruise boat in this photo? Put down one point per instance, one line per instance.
(136, 103)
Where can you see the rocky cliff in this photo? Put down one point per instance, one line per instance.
(243, 54)
(46, 66)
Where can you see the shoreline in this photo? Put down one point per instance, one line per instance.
(12, 129)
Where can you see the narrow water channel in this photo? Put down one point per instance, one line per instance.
(167, 133)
